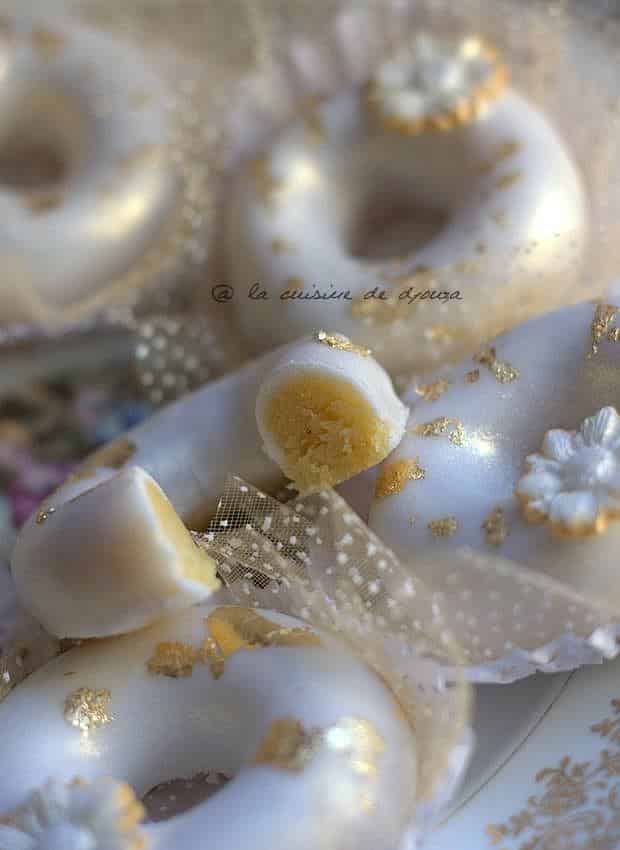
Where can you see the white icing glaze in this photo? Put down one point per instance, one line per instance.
(163, 728)
(110, 559)
(86, 110)
(356, 367)
(500, 425)
(502, 190)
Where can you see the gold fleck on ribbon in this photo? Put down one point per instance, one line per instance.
(496, 527)
(472, 377)
(431, 392)
(340, 343)
(174, 659)
(602, 327)
(502, 371)
(87, 709)
(289, 746)
(439, 427)
(395, 475)
(444, 527)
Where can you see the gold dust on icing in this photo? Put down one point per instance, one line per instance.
(211, 656)
(505, 181)
(439, 427)
(44, 515)
(173, 659)
(502, 371)
(395, 475)
(288, 746)
(48, 43)
(267, 186)
(496, 527)
(504, 151)
(499, 217)
(87, 709)
(312, 120)
(444, 527)
(602, 326)
(340, 343)
(472, 377)
(431, 392)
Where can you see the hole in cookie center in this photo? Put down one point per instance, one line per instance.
(389, 227)
(27, 164)
(172, 798)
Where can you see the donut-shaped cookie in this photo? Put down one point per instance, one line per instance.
(517, 452)
(255, 695)
(436, 179)
(86, 185)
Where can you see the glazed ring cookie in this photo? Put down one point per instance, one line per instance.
(517, 452)
(254, 695)
(86, 186)
(460, 179)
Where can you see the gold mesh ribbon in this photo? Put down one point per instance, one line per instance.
(313, 558)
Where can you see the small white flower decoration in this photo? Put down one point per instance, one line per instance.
(574, 483)
(77, 816)
(436, 85)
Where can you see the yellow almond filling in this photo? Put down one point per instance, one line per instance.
(326, 430)
(196, 564)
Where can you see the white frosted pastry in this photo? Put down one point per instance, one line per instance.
(86, 184)
(435, 180)
(518, 453)
(113, 557)
(291, 714)
(327, 410)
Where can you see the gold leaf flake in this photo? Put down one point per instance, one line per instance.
(444, 527)
(502, 371)
(395, 475)
(48, 43)
(499, 217)
(472, 377)
(233, 628)
(340, 343)
(496, 527)
(602, 326)
(87, 709)
(174, 659)
(289, 746)
(267, 186)
(504, 151)
(439, 427)
(310, 110)
(431, 392)
(505, 181)
(280, 246)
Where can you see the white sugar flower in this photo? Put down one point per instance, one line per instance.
(76, 816)
(432, 84)
(574, 483)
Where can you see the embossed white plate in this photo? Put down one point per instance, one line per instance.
(546, 775)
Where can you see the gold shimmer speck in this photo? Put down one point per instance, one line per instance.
(443, 425)
(496, 527)
(311, 115)
(340, 343)
(603, 326)
(287, 745)
(280, 245)
(431, 392)
(472, 377)
(444, 527)
(87, 709)
(502, 371)
(395, 475)
(505, 181)
(504, 151)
